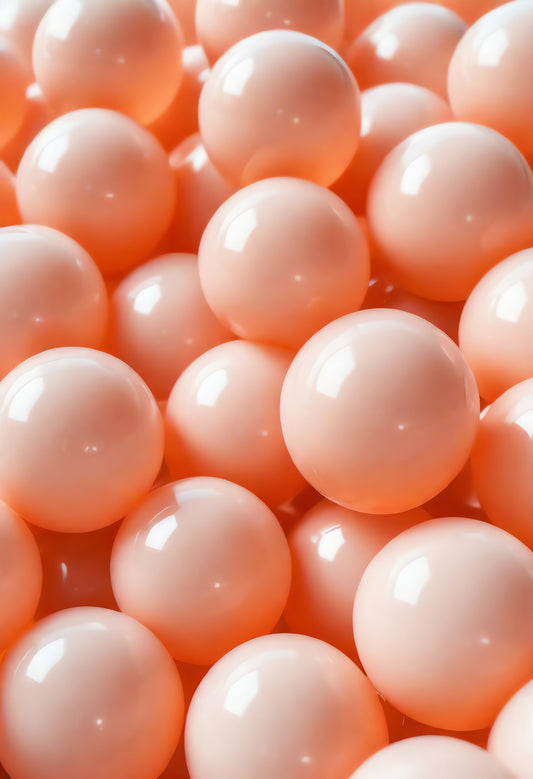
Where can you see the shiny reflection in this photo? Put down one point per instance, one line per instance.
(493, 48)
(45, 660)
(330, 542)
(159, 534)
(334, 372)
(65, 17)
(242, 693)
(525, 421)
(239, 230)
(415, 174)
(212, 387)
(147, 299)
(512, 303)
(387, 46)
(411, 581)
(25, 399)
(198, 157)
(52, 154)
(239, 75)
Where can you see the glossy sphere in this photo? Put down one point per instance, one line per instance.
(102, 179)
(201, 190)
(496, 326)
(9, 212)
(181, 117)
(330, 548)
(76, 570)
(204, 564)
(160, 321)
(124, 55)
(282, 258)
(389, 113)
(37, 115)
(413, 42)
(82, 439)
(222, 420)
(89, 692)
(13, 82)
(437, 756)
(501, 458)
(384, 382)
(511, 737)
(222, 23)
(447, 204)
(19, 20)
(185, 11)
(280, 103)
(51, 294)
(20, 575)
(286, 706)
(442, 621)
(487, 80)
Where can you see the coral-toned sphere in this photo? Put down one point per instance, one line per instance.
(511, 737)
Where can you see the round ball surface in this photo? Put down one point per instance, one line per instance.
(511, 736)
(442, 621)
(82, 439)
(283, 705)
(379, 411)
(89, 692)
(280, 103)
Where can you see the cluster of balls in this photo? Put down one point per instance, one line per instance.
(262, 263)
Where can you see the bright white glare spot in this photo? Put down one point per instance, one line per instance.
(387, 46)
(330, 543)
(210, 389)
(198, 157)
(52, 153)
(414, 175)
(334, 372)
(25, 399)
(147, 299)
(65, 15)
(240, 230)
(237, 78)
(493, 48)
(46, 659)
(512, 303)
(159, 534)
(411, 581)
(242, 693)
(525, 421)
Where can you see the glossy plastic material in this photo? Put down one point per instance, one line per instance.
(222, 420)
(160, 321)
(438, 757)
(413, 42)
(496, 326)
(21, 575)
(222, 23)
(330, 548)
(281, 259)
(103, 180)
(204, 564)
(19, 20)
(389, 114)
(447, 204)
(442, 621)
(89, 692)
(280, 103)
(9, 212)
(502, 458)
(185, 11)
(124, 55)
(82, 439)
(488, 81)
(511, 737)
(51, 294)
(13, 82)
(37, 115)
(384, 382)
(283, 706)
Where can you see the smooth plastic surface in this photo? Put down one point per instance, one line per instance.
(442, 621)
(89, 692)
(19, 20)
(9, 212)
(14, 79)
(511, 737)
(37, 115)
(282, 258)
(82, 439)
(280, 103)
(387, 383)
(286, 706)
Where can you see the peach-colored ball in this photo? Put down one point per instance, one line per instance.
(413, 42)
(9, 212)
(160, 321)
(201, 190)
(82, 439)
(87, 693)
(442, 621)
(283, 706)
(401, 727)
(19, 20)
(51, 294)
(280, 103)
(222, 419)
(458, 499)
(21, 575)
(438, 757)
(185, 11)
(330, 548)
(447, 204)
(38, 114)
(102, 179)
(13, 82)
(488, 80)
(502, 459)
(222, 23)
(496, 326)
(204, 564)
(379, 411)
(124, 55)
(389, 113)
(511, 737)
(282, 258)
(181, 117)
